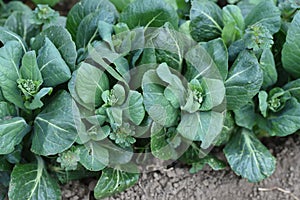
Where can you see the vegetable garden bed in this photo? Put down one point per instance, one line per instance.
(120, 88)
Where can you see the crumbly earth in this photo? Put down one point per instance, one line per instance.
(177, 184)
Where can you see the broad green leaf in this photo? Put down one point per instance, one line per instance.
(54, 69)
(283, 122)
(219, 54)
(93, 156)
(7, 110)
(267, 14)
(244, 81)
(90, 83)
(20, 23)
(54, 128)
(32, 182)
(233, 24)
(10, 57)
(134, 108)
(293, 88)
(246, 116)
(36, 101)
(7, 36)
(290, 51)
(206, 20)
(105, 30)
(160, 147)
(12, 132)
(107, 12)
(201, 126)
(214, 93)
(113, 181)
(267, 64)
(156, 104)
(29, 68)
(62, 40)
(151, 13)
(121, 4)
(4, 165)
(248, 157)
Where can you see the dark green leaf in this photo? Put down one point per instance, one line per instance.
(32, 181)
(267, 64)
(244, 81)
(245, 116)
(113, 181)
(248, 157)
(151, 13)
(293, 88)
(54, 128)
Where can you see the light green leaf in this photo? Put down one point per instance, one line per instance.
(54, 69)
(293, 88)
(267, 14)
(7, 110)
(212, 161)
(201, 126)
(113, 181)
(227, 130)
(248, 157)
(206, 20)
(36, 102)
(29, 69)
(121, 4)
(54, 128)
(290, 51)
(10, 57)
(244, 81)
(32, 182)
(267, 64)
(263, 102)
(90, 83)
(156, 104)
(93, 156)
(7, 36)
(151, 13)
(12, 132)
(62, 40)
(134, 108)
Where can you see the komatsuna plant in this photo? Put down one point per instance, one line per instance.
(117, 85)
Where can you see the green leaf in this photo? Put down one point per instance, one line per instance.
(10, 57)
(54, 69)
(7, 36)
(113, 181)
(212, 161)
(267, 64)
(106, 12)
(93, 156)
(90, 82)
(201, 126)
(20, 23)
(246, 116)
(206, 20)
(219, 54)
(244, 81)
(290, 51)
(284, 122)
(293, 88)
(121, 4)
(29, 69)
(49, 2)
(151, 13)
(267, 14)
(62, 40)
(134, 108)
(36, 102)
(7, 110)
(12, 132)
(248, 157)
(227, 130)
(32, 182)
(263, 102)
(160, 147)
(156, 104)
(54, 128)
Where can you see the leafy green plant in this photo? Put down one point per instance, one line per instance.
(115, 84)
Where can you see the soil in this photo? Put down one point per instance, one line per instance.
(177, 183)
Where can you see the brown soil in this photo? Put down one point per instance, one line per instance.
(177, 184)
